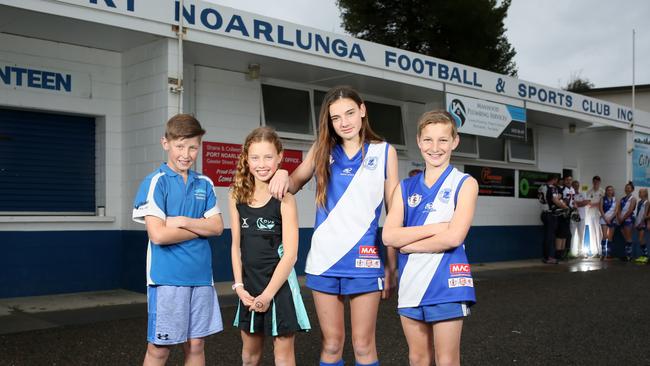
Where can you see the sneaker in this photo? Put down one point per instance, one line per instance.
(625, 259)
(641, 260)
(550, 261)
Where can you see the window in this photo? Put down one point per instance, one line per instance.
(490, 148)
(288, 111)
(522, 151)
(468, 146)
(386, 121)
(47, 164)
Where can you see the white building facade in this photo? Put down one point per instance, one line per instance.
(86, 87)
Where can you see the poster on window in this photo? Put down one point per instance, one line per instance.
(480, 117)
(641, 160)
(493, 181)
(220, 161)
(530, 181)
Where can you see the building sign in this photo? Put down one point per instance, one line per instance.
(224, 21)
(493, 181)
(480, 117)
(34, 78)
(641, 160)
(530, 181)
(220, 161)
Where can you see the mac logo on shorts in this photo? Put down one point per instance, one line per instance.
(371, 162)
(414, 200)
(244, 224)
(444, 195)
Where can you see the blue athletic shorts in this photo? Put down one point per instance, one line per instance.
(179, 313)
(436, 313)
(344, 285)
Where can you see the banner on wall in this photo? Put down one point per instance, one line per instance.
(220, 161)
(641, 160)
(493, 181)
(530, 181)
(480, 117)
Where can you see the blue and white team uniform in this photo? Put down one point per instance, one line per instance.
(625, 205)
(434, 286)
(640, 221)
(609, 208)
(344, 257)
(179, 276)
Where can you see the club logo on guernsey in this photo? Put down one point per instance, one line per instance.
(265, 224)
(429, 207)
(200, 194)
(444, 195)
(371, 162)
(244, 224)
(414, 200)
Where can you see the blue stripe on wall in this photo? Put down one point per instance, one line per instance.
(50, 262)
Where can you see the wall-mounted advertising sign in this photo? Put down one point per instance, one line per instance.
(480, 117)
(220, 161)
(529, 182)
(493, 181)
(641, 160)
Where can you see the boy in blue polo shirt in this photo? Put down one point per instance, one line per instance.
(180, 210)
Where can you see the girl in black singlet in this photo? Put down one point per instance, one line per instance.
(264, 250)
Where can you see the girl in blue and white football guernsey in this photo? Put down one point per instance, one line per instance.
(355, 172)
(608, 208)
(428, 220)
(625, 218)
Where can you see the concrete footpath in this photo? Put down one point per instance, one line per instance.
(21, 314)
(581, 313)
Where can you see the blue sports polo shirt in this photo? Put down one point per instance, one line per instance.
(163, 194)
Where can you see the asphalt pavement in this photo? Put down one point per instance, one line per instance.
(581, 313)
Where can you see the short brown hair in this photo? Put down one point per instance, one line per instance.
(437, 116)
(183, 126)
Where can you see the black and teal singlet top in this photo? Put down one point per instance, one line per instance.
(261, 250)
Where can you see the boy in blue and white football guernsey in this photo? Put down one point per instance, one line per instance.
(433, 278)
(180, 210)
(344, 243)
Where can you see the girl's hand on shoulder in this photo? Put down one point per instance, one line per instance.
(279, 184)
(244, 296)
(261, 303)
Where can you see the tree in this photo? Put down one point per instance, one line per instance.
(470, 32)
(578, 84)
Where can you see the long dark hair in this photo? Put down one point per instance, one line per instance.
(327, 137)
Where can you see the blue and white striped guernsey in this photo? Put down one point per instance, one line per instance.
(163, 193)
(433, 278)
(344, 243)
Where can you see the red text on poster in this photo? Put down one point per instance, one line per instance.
(220, 161)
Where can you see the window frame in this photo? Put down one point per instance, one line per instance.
(295, 86)
(523, 161)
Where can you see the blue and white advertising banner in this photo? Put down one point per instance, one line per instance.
(641, 160)
(480, 117)
(203, 18)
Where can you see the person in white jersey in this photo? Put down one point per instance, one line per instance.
(592, 215)
(430, 215)
(356, 171)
